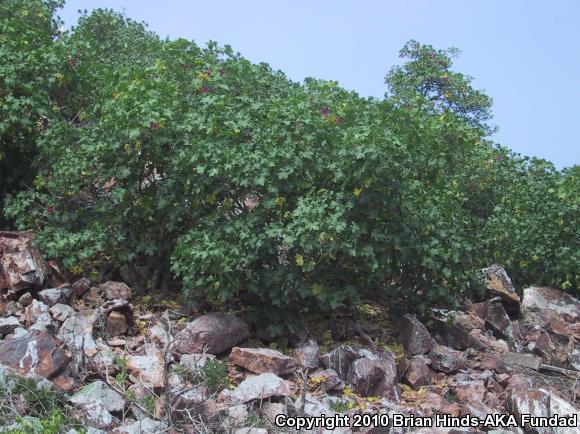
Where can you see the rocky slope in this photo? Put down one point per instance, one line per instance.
(122, 368)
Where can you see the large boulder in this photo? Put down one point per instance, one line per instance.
(21, 265)
(540, 305)
(36, 353)
(260, 360)
(213, 333)
(370, 373)
(540, 403)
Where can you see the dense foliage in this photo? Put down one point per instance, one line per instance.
(288, 196)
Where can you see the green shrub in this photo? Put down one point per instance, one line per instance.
(289, 197)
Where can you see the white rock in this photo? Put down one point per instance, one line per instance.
(195, 362)
(61, 312)
(149, 368)
(259, 387)
(100, 393)
(144, 426)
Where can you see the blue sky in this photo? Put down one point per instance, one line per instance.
(525, 54)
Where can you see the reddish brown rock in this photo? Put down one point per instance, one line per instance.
(328, 379)
(340, 359)
(116, 324)
(372, 374)
(414, 336)
(260, 360)
(213, 333)
(470, 391)
(21, 265)
(35, 353)
(415, 372)
(447, 360)
(540, 305)
(497, 319)
(80, 287)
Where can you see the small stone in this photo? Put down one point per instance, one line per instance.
(328, 379)
(61, 312)
(195, 362)
(8, 325)
(116, 324)
(260, 360)
(37, 317)
(498, 320)
(25, 299)
(372, 373)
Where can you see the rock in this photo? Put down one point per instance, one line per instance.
(539, 403)
(9, 308)
(21, 265)
(99, 392)
(251, 430)
(77, 333)
(414, 336)
(37, 317)
(61, 312)
(272, 409)
(498, 284)
(540, 305)
(115, 290)
(415, 372)
(470, 391)
(479, 340)
(143, 426)
(35, 353)
(148, 369)
(497, 319)
(159, 335)
(372, 373)
(80, 287)
(236, 416)
(25, 299)
(259, 387)
(116, 324)
(52, 296)
(195, 362)
(526, 360)
(328, 379)
(260, 360)
(214, 333)
(308, 355)
(340, 359)
(8, 325)
(447, 360)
